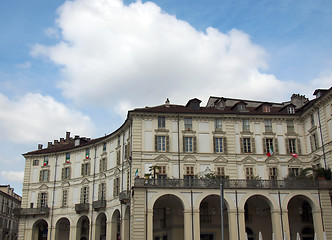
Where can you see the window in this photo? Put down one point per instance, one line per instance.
(269, 144)
(44, 175)
(65, 173)
(42, 199)
(245, 125)
(85, 170)
(161, 122)
(35, 162)
(103, 165)
(67, 157)
(266, 108)
(162, 143)
(314, 142)
(162, 172)
(118, 157)
(116, 187)
(188, 124)
(218, 145)
(104, 147)
(102, 191)
(312, 120)
(246, 145)
(291, 110)
(290, 126)
(45, 161)
(241, 107)
(189, 144)
(273, 174)
(295, 171)
(221, 171)
(217, 124)
(64, 197)
(268, 125)
(87, 153)
(84, 194)
(189, 172)
(291, 145)
(250, 173)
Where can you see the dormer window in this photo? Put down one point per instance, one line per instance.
(266, 108)
(188, 124)
(241, 107)
(290, 110)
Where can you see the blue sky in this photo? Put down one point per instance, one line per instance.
(79, 65)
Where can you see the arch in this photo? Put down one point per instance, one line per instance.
(126, 223)
(210, 217)
(311, 200)
(168, 217)
(155, 196)
(257, 215)
(83, 228)
(100, 226)
(271, 201)
(201, 196)
(300, 216)
(62, 229)
(40, 230)
(116, 226)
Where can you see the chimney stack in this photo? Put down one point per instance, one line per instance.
(67, 135)
(40, 146)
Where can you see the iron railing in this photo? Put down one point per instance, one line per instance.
(233, 183)
(99, 204)
(124, 196)
(31, 211)
(82, 207)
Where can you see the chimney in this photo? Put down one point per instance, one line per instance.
(167, 103)
(56, 142)
(40, 146)
(77, 140)
(67, 135)
(299, 100)
(62, 140)
(49, 144)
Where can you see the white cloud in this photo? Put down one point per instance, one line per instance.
(24, 65)
(34, 118)
(134, 55)
(13, 176)
(51, 32)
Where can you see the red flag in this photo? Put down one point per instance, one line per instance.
(294, 155)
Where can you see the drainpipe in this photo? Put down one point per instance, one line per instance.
(93, 188)
(192, 214)
(237, 216)
(179, 144)
(281, 219)
(55, 168)
(321, 137)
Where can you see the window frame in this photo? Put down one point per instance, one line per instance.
(161, 122)
(245, 125)
(188, 124)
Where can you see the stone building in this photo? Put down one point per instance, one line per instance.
(159, 175)
(8, 221)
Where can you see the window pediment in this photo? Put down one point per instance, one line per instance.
(189, 159)
(294, 161)
(85, 181)
(65, 184)
(162, 158)
(43, 186)
(220, 159)
(248, 160)
(271, 160)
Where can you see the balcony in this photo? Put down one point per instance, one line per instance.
(124, 196)
(99, 204)
(31, 211)
(234, 184)
(82, 207)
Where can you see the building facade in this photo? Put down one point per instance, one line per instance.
(161, 174)
(8, 221)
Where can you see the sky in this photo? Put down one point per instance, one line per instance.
(80, 65)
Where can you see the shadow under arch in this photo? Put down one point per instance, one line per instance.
(101, 224)
(62, 229)
(40, 230)
(83, 228)
(116, 225)
(168, 218)
(257, 216)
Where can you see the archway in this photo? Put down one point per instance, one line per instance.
(257, 214)
(168, 218)
(101, 227)
(116, 225)
(40, 230)
(83, 228)
(126, 223)
(62, 229)
(210, 218)
(300, 218)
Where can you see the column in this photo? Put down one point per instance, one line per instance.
(242, 224)
(232, 224)
(125, 229)
(108, 230)
(73, 233)
(276, 223)
(187, 224)
(95, 231)
(286, 223)
(317, 220)
(51, 234)
(197, 227)
(150, 224)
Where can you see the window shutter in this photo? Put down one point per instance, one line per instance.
(46, 199)
(167, 143)
(276, 146)
(82, 169)
(88, 168)
(195, 144)
(264, 145)
(156, 143)
(99, 191)
(298, 146)
(40, 175)
(114, 187)
(81, 197)
(241, 145)
(224, 141)
(287, 146)
(63, 173)
(214, 145)
(253, 146)
(184, 144)
(38, 200)
(105, 164)
(69, 173)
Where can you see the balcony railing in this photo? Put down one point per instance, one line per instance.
(124, 196)
(99, 204)
(82, 207)
(31, 211)
(233, 183)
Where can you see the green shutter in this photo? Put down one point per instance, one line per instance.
(264, 145)
(81, 197)
(214, 145)
(167, 143)
(156, 143)
(38, 200)
(241, 145)
(287, 146)
(276, 146)
(253, 146)
(82, 169)
(184, 144)
(224, 141)
(195, 144)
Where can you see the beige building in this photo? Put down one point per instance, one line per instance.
(9, 201)
(159, 175)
